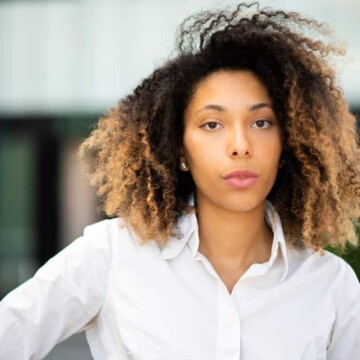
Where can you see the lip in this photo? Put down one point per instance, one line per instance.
(241, 173)
(241, 179)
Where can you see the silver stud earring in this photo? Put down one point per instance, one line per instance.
(184, 165)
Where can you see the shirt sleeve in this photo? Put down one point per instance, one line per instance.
(60, 300)
(345, 340)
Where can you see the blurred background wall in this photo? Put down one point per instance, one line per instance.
(63, 63)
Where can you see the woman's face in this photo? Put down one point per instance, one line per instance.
(230, 126)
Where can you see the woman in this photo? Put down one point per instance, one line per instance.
(245, 127)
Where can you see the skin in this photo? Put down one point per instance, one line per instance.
(230, 125)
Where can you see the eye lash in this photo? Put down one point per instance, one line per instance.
(210, 122)
(268, 120)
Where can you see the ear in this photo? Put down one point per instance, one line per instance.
(182, 153)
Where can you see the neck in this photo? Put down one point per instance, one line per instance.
(233, 237)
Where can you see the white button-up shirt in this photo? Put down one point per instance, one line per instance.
(141, 302)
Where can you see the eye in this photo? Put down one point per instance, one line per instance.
(211, 125)
(261, 124)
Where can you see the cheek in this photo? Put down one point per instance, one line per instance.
(202, 154)
(270, 152)
(269, 157)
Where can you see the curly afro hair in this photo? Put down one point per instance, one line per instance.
(133, 153)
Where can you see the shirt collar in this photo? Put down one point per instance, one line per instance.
(188, 226)
(273, 220)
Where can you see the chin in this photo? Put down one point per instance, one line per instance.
(241, 205)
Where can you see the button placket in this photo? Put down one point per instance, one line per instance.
(232, 320)
(228, 332)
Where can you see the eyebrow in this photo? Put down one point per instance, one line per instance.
(223, 109)
(259, 106)
(212, 107)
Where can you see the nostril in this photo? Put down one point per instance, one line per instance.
(236, 153)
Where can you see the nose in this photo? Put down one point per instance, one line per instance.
(239, 144)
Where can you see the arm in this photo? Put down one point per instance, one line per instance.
(345, 340)
(60, 300)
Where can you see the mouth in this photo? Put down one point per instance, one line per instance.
(241, 179)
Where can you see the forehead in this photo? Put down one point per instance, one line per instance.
(229, 88)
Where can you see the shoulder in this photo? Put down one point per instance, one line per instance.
(116, 236)
(104, 228)
(105, 235)
(325, 271)
(99, 236)
(333, 265)
(314, 261)
(346, 282)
